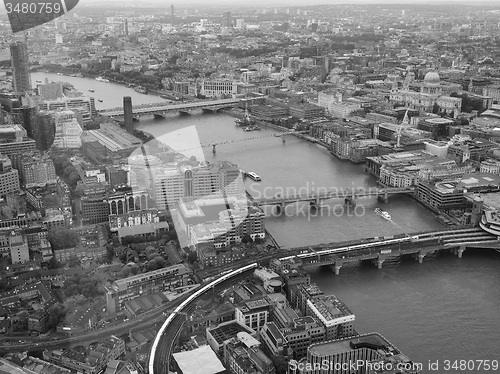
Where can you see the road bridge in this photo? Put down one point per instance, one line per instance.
(161, 109)
(349, 195)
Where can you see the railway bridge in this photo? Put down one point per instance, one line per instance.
(161, 109)
(334, 255)
(378, 250)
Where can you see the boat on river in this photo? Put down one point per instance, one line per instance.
(383, 214)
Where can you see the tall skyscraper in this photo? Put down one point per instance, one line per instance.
(128, 115)
(21, 79)
(226, 19)
(125, 27)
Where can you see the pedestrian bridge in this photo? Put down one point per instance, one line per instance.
(165, 107)
(348, 194)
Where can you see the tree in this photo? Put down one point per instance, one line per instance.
(172, 234)
(73, 261)
(20, 322)
(68, 170)
(62, 238)
(155, 264)
(72, 290)
(57, 312)
(193, 256)
(259, 240)
(125, 272)
(5, 285)
(246, 239)
(160, 262)
(110, 254)
(280, 363)
(81, 285)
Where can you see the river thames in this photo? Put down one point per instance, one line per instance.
(444, 309)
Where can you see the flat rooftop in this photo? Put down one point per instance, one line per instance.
(491, 200)
(468, 181)
(227, 331)
(373, 341)
(330, 310)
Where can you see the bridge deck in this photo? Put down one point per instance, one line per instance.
(163, 107)
(334, 194)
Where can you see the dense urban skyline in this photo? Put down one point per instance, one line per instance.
(250, 187)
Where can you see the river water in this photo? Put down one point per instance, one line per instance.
(444, 309)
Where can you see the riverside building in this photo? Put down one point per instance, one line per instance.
(364, 354)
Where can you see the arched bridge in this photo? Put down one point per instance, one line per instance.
(165, 107)
(349, 194)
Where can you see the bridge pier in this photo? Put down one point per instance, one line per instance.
(214, 149)
(384, 197)
(349, 201)
(460, 251)
(283, 139)
(420, 258)
(378, 262)
(159, 115)
(279, 208)
(336, 267)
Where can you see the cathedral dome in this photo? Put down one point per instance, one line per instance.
(432, 77)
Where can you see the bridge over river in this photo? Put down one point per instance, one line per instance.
(160, 109)
(378, 250)
(335, 255)
(348, 194)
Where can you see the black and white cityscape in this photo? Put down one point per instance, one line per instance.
(302, 187)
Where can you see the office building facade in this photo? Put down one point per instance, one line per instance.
(21, 78)
(126, 289)
(9, 177)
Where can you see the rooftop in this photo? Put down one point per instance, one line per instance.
(468, 181)
(141, 229)
(372, 341)
(330, 310)
(227, 331)
(179, 268)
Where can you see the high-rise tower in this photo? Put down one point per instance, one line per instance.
(21, 79)
(125, 27)
(128, 115)
(226, 19)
